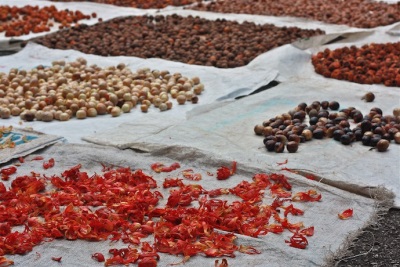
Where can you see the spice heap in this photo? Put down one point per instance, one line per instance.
(289, 129)
(145, 4)
(74, 89)
(355, 13)
(16, 21)
(369, 64)
(192, 40)
(123, 205)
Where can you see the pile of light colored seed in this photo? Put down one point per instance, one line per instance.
(75, 89)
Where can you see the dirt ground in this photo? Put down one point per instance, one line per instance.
(377, 245)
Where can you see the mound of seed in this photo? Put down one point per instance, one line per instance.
(325, 120)
(75, 89)
(16, 21)
(369, 64)
(192, 40)
(145, 4)
(355, 13)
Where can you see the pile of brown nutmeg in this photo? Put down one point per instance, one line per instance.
(369, 64)
(325, 120)
(355, 13)
(145, 4)
(192, 40)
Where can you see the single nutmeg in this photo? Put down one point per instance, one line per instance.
(307, 134)
(396, 112)
(258, 129)
(396, 137)
(292, 146)
(368, 97)
(279, 147)
(382, 145)
(334, 105)
(270, 145)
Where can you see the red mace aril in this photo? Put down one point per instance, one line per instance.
(5, 262)
(49, 164)
(224, 263)
(99, 257)
(8, 171)
(56, 259)
(160, 167)
(188, 174)
(224, 172)
(298, 241)
(311, 195)
(346, 214)
(121, 204)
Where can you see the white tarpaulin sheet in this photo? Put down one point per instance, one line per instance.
(218, 83)
(330, 232)
(229, 129)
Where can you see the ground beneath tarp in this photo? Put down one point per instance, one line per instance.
(377, 245)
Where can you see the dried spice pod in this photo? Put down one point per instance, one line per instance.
(355, 13)
(370, 129)
(368, 97)
(369, 64)
(220, 43)
(66, 90)
(292, 146)
(17, 21)
(144, 4)
(382, 145)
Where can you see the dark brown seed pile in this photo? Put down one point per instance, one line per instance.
(355, 13)
(369, 64)
(145, 4)
(192, 40)
(325, 120)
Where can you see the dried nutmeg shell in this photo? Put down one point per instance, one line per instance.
(345, 139)
(301, 115)
(337, 134)
(375, 139)
(258, 129)
(366, 140)
(368, 97)
(366, 126)
(292, 146)
(281, 138)
(382, 145)
(270, 145)
(376, 110)
(357, 116)
(318, 133)
(307, 134)
(325, 104)
(334, 105)
(279, 147)
(396, 137)
(294, 137)
(313, 120)
(396, 112)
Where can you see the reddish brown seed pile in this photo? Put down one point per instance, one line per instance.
(369, 64)
(192, 40)
(355, 13)
(17, 21)
(145, 4)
